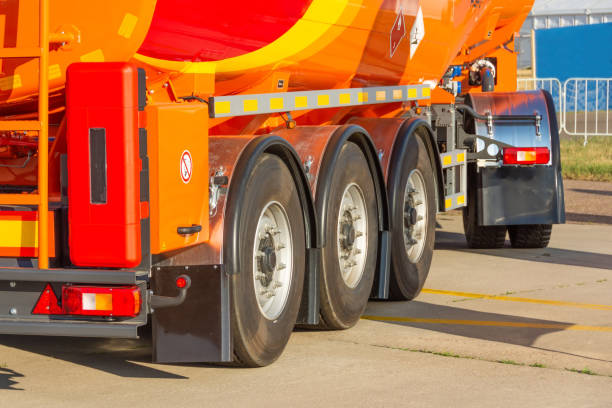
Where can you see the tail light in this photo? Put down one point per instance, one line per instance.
(526, 155)
(121, 301)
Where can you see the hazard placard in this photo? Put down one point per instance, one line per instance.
(186, 166)
(397, 34)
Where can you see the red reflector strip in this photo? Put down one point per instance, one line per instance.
(122, 301)
(526, 155)
(47, 303)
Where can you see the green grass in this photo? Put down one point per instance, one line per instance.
(590, 162)
(511, 362)
(537, 365)
(583, 371)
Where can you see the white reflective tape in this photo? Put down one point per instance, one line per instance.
(239, 105)
(89, 301)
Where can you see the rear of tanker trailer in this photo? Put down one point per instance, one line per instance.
(227, 173)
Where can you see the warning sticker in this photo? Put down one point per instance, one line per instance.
(186, 166)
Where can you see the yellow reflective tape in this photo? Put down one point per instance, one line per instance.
(323, 100)
(10, 82)
(412, 93)
(447, 160)
(301, 101)
(449, 203)
(17, 234)
(344, 99)
(222, 107)
(460, 200)
(518, 299)
(426, 92)
(381, 95)
(94, 56)
(397, 94)
(126, 29)
(460, 157)
(277, 103)
(54, 71)
(104, 301)
(250, 105)
(558, 326)
(362, 97)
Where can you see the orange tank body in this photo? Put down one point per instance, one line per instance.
(309, 44)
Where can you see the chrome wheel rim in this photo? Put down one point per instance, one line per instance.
(272, 260)
(352, 233)
(415, 216)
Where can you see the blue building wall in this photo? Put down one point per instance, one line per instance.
(570, 52)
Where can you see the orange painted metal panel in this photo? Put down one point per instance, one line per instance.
(178, 154)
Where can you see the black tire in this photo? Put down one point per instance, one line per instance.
(478, 236)
(408, 277)
(257, 340)
(342, 306)
(530, 236)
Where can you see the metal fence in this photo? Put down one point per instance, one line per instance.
(583, 104)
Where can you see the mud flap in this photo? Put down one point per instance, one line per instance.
(198, 330)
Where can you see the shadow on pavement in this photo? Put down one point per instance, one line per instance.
(592, 218)
(114, 356)
(454, 241)
(586, 191)
(520, 336)
(6, 379)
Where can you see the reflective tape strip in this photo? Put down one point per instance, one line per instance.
(454, 201)
(241, 105)
(453, 158)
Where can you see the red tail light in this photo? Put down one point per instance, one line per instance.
(122, 301)
(526, 155)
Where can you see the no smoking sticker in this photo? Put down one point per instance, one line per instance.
(186, 166)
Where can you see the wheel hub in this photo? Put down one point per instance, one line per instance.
(415, 216)
(347, 229)
(352, 235)
(266, 262)
(272, 260)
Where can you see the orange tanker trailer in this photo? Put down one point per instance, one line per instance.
(231, 170)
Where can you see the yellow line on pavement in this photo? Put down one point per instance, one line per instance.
(518, 299)
(559, 326)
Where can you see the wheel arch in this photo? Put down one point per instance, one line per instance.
(244, 166)
(359, 136)
(420, 128)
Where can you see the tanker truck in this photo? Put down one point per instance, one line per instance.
(225, 172)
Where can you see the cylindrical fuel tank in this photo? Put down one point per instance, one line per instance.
(316, 44)
(109, 30)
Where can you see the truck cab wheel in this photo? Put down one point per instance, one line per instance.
(267, 287)
(412, 222)
(349, 254)
(530, 236)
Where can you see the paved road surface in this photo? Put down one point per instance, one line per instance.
(548, 312)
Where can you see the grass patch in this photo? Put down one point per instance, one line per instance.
(583, 371)
(511, 362)
(590, 162)
(537, 365)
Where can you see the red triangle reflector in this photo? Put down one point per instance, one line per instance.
(47, 303)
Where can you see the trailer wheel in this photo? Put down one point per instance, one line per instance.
(530, 236)
(266, 290)
(349, 255)
(412, 223)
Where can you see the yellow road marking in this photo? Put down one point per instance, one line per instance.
(559, 326)
(518, 299)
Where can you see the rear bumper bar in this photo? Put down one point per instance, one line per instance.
(20, 289)
(111, 277)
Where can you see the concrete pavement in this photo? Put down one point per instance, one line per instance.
(452, 346)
